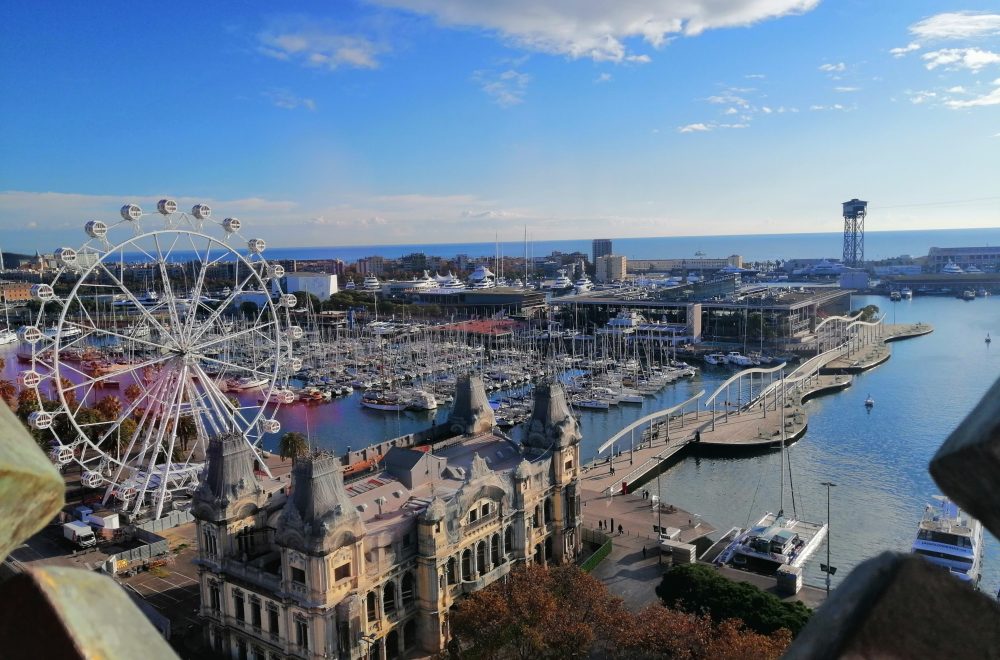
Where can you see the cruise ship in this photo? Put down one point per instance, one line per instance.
(948, 537)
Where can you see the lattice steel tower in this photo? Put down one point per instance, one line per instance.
(854, 233)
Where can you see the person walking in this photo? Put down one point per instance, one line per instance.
(643, 552)
(620, 530)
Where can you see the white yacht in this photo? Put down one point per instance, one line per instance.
(736, 359)
(715, 358)
(561, 283)
(774, 541)
(420, 400)
(951, 268)
(907, 293)
(379, 400)
(452, 283)
(974, 269)
(371, 283)
(7, 336)
(350, 285)
(625, 323)
(948, 537)
(426, 282)
(583, 284)
(482, 278)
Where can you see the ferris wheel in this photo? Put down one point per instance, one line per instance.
(162, 330)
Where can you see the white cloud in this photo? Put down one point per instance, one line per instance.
(282, 98)
(603, 78)
(918, 98)
(846, 89)
(766, 110)
(988, 99)
(728, 97)
(694, 128)
(957, 25)
(731, 111)
(507, 88)
(835, 106)
(957, 89)
(833, 68)
(597, 29)
(315, 45)
(755, 76)
(903, 50)
(973, 59)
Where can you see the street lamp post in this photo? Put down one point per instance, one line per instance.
(827, 568)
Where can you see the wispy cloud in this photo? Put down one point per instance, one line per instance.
(903, 50)
(973, 59)
(755, 76)
(846, 90)
(957, 25)
(837, 67)
(694, 128)
(603, 78)
(282, 98)
(921, 97)
(599, 30)
(317, 45)
(838, 107)
(506, 88)
(989, 99)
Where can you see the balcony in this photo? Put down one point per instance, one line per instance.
(469, 586)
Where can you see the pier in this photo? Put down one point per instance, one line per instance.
(754, 410)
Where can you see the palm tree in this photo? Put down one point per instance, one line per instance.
(66, 385)
(109, 407)
(292, 445)
(132, 392)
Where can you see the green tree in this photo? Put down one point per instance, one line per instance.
(293, 445)
(700, 589)
(8, 392)
(868, 313)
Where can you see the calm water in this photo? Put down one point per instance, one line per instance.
(878, 245)
(878, 460)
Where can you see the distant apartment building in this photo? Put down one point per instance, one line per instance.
(610, 268)
(413, 262)
(984, 258)
(12, 292)
(374, 265)
(667, 265)
(321, 285)
(599, 247)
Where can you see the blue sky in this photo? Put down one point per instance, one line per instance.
(397, 121)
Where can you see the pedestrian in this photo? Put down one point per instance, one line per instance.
(620, 530)
(643, 552)
(612, 528)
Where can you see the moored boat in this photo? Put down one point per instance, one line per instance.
(950, 538)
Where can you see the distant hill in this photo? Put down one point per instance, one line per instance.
(15, 259)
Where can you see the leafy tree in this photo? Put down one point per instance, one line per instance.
(109, 407)
(868, 313)
(562, 612)
(293, 445)
(8, 392)
(701, 589)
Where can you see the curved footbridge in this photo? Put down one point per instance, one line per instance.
(754, 410)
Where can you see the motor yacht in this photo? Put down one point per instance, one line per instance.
(583, 284)
(371, 283)
(561, 283)
(950, 538)
(482, 278)
(951, 268)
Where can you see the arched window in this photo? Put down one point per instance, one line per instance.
(548, 548)
(467, 564)
(508, 540)
(410, 634)
(452, 571)
(392, 645)
(495, 549)
(389, 598)
(406, 589)
(481, 557)
(537, 522)
(548, 510)
(372, 606)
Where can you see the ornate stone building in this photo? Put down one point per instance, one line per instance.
(317, 568)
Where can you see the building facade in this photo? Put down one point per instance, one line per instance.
(599, 247)
(667, 265)
(321, 285)
(322, 569)
(610, 268)
(984, 258)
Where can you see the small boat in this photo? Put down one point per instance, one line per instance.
(968, 294)
(715, 358)
(378, 400)
(247, 383)
(907, 293)
(7, 336)
(895, 295)
(869, 402)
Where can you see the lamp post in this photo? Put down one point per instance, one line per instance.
(827, 568)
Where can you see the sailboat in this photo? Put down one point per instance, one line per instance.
(775, 540)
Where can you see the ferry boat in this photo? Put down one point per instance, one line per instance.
(950, 538)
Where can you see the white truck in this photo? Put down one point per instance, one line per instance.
(80, 534)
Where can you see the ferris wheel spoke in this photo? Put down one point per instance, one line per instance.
(237, 367)
(234, 335)
(153, 321)
(168, 292)
(233, 294)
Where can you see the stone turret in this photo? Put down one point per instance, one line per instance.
(552, 424)
(472, 413)
(228, 480)
(319, 516)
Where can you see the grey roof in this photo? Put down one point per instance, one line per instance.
(319, 516)
(552, 424)
(472, 412)
(228, 476)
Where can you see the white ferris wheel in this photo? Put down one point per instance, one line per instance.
(163, 330)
